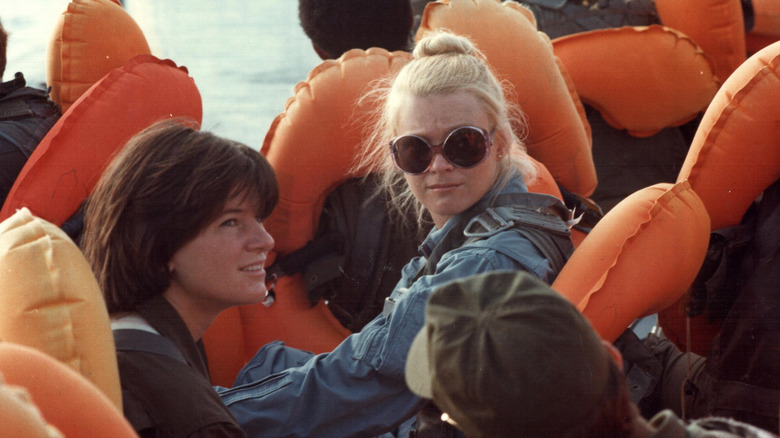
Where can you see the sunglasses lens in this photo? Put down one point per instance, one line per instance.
(465, 147)
(412, 154)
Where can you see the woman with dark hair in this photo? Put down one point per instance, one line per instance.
(174, 235)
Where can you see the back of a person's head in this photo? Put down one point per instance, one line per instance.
(502, 354)
(158, 193)
(3, 49)
(336, 26)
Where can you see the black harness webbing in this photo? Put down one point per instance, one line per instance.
(142, 340)
(542, 219)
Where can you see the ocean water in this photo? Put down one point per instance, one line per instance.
(245, 56)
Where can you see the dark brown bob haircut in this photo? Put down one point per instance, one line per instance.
(165, 186)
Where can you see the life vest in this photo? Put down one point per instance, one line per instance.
(720, 32)
(68, 162)
(734, 157)
(639, 259)
(98, 57)
(308, 167)
(50, 301)
(89, 39)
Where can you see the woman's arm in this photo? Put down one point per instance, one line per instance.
(359, 387)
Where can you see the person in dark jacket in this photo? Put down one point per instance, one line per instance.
(174, 234)
(26, 115)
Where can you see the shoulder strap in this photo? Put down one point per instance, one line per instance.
(142, 340)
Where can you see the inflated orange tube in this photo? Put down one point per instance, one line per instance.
(67, 163)
(506, 34)
(716, 25)
(639, 259)
(766, 25)
(641, 79)
(90, 38)
(735, 155)
(65, 399)
(19, 415)
(50, 301)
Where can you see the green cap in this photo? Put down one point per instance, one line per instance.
(505, 355)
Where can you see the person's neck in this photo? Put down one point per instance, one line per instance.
(195, 318)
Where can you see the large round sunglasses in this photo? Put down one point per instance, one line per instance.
(464, 147)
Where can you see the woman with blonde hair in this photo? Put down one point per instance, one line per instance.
(445, 146)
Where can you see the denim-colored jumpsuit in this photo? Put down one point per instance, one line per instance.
(358, 389)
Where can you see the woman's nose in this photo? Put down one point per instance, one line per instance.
(260, 238)
(440, 163)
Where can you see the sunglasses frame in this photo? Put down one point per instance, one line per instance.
(439, 148)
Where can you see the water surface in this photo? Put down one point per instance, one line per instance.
(245, 56)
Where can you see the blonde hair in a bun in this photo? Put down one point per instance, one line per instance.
(444, 63)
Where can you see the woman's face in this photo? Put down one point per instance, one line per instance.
(446, 190)
(223, 265)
